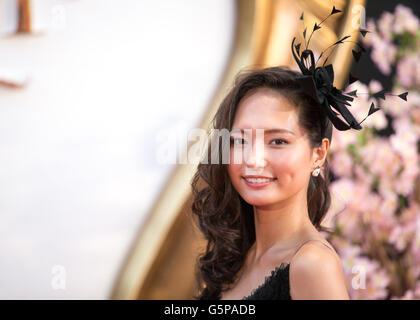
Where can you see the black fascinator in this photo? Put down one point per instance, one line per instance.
(317, 81)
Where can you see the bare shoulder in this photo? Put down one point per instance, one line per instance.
(316, 272)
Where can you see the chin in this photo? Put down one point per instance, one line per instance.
(258, 201)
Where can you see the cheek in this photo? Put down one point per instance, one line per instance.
(289, 168)
(234, 167)
(234, 172)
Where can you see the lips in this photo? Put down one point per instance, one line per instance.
(258, 181)
(255, 176)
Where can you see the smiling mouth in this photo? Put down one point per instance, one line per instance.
(258, 182)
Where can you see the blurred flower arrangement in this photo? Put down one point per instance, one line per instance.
(377, 233)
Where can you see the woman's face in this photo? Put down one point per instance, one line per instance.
(284, 157)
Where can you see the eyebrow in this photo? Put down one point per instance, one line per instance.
(268, 131)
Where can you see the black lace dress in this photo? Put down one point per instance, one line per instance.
(275, 286)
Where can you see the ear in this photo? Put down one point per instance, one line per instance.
(320, 153)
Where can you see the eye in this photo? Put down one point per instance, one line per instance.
(236, 140)
(279, 140)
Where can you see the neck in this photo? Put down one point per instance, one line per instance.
(280, 226)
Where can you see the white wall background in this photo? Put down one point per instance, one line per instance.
(78, 168)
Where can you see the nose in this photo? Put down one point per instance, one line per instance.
(255, 155)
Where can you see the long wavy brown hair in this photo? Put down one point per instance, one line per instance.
(224, 218)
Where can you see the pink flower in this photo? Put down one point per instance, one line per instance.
(345, 218)
(404, 184)
(366, 280)
(361, 196)
(377, 121)
(404, 142)
(379, 282)
(415, 244)
(348, 221)
(383, 51)
(336, 207)
(370, 25)
(405, 20)
(361, 173)
(408, 69)
(341, 140)
(381, 218)
(383, 54)
(373, 201)
(362, 106)
(403, 124)
(357, 203)
(343, 189)
(348, 254)
(385, 24)
(360, 87)
(389, 202)
(379, 157)
(401, 235)
(341, 164)
(411, 213)
(395, 106)
(414, 111)
(375, 85)
(417, 78)
(367, 153)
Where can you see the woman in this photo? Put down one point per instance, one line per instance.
(262, 211)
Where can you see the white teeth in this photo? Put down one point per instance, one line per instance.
(256, 180)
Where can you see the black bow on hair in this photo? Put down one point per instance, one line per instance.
(318, 82)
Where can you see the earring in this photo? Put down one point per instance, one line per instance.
(315, 173)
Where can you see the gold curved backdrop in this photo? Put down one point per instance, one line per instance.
(161, 262)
